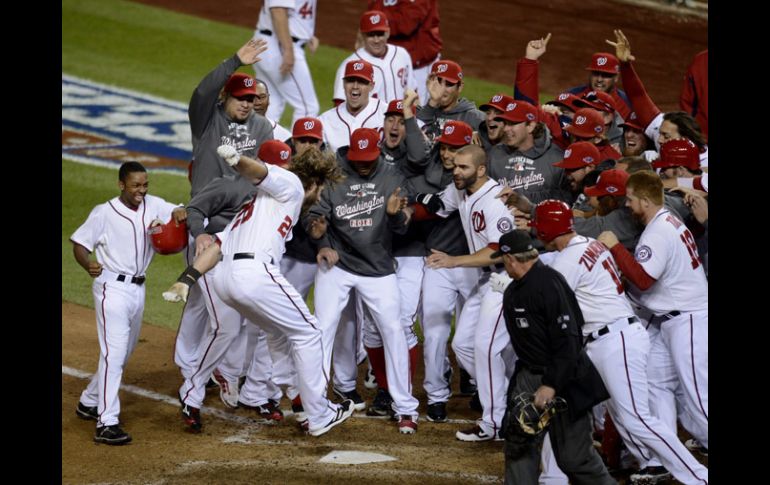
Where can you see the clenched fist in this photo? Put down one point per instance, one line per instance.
(177, 292)
(229, 153)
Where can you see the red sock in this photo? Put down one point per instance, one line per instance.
(414, 354)
(611, 442)
(377, 360)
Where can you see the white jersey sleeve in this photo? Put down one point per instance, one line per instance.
(497, 217)
(91, 232)
(281, 184)
(653, 130)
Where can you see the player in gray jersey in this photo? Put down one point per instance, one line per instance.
(404, 145)
(225, 120)
(524, 159)
(354, 221)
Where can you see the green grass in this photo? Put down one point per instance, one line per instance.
(166, 54)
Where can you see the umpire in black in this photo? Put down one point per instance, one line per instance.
(544, 320)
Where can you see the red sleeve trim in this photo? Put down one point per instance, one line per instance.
(493, 246)
(422, 214)
(697, 184)
(631, 268)
(217, 241)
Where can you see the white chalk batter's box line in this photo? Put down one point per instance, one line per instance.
(213, 411)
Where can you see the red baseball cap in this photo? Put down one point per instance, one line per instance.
(604, 62)
(241, 84)
(597, 100)
(274, 152)
(456, 133)
(678, 153)
(518, 111)
(632, 122)
(498, 101)
(587, 123)
(308, 127)
(578, 155)
(566, 99)
(364, 145)
(359, 68)
(396, 107)
(449, 70)
(374, 21)
(610, 182)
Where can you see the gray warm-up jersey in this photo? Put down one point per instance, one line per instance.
(211, 128)
(435, 118)
(411, 155)
(531, 172)
(359, 229)
(218, 202)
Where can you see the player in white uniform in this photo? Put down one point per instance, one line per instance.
(618, 344)
(250, 280)
(287, 26)
(392, 64)
(481, 341)
(358, 110)
(668, 280)
(117, 232)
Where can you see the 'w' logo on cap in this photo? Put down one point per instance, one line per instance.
(601, 61)
(375, 19)
(248, 82)
(358, 66)
(442, 68)
(449, 129)
(496, 98)
(580, 120)
(510, 107)
(284, 154)
(309, 125)
(362, 144)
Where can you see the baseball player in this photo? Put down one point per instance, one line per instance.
(414, 25)
(251, 283)
(261, 104)
(668, 280)
(444, 290)
(490, 132)
(392, 64)
(230, 120)
(659, 127)
(306, 133)
(481, 342)
(524, 159)
(287, 26)
(358, 217)
(358, 110)
(117, 232)
(445, 84)
(618, 344)
(403, 145)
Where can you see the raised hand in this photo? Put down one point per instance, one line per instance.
(249, 53)
(317, 227)
(622, 47)
(536, 48)
(395, 203)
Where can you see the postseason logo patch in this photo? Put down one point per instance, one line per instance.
(504, 225)
(643, 254)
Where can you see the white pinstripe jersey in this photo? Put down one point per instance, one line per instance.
(667, 252)
(264, 224)
(339, 124)
(590, 270)
(118, 235)
(302, 15)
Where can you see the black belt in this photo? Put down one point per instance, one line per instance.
(137, 280)
(488, 269)
(269, 32)
(243, 256)
(605, 330)
(665, 316)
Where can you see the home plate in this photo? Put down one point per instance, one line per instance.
(354, 458)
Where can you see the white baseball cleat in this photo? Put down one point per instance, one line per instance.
(344, 411)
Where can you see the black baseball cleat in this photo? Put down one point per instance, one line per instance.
(87, 412)
(192, 418)
(381, 405)
(268, 410)
(111, 435)
(344, 411)
(358, 402)
(467, 388)
(650, 475)
(437, 412)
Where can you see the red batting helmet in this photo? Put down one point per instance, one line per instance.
(552, 219)
(678, 153)
(169, 238)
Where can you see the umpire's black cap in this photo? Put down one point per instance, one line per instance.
(514, 242)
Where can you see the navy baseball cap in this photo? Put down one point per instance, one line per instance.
(514, 242)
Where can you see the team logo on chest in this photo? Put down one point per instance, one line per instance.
(478, 221)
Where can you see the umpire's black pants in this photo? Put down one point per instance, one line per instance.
(571, 442)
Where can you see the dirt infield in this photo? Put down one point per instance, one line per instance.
(489, 37)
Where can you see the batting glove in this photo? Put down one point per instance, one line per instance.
(229, 153)
(177, 292)
(499, 282)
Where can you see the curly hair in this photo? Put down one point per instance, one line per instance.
(687, 126)
(316, 167)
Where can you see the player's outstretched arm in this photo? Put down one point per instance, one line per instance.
(249, 53)
(252, 170)
(202, 264)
